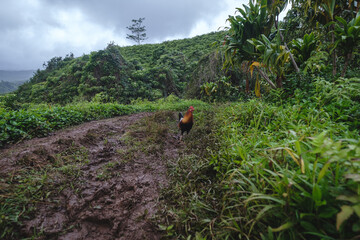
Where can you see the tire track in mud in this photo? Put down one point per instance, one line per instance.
(107, 189)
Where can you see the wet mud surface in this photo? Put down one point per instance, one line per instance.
(103, 186)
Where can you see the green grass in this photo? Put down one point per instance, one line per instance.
(283, 168)
(39, 120)
(286, 170)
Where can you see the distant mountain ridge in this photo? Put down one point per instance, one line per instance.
(6, 87)
(16, 76)
(11, 80)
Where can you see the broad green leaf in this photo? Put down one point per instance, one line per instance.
(283, 227)
(327, 212)
(162, 227)
(322, 236)
(316, 193)
(356, 227)
(353, 176)
(346, 212)
(264, 210)
(318, 141)
(255, 196)
(308, 226)
(343, 21)
(323, 171)
(357, 209)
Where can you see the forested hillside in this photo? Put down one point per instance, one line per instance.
(121, 74)
(274, 151)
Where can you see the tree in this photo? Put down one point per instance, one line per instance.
(138, 31)
(275, 7)
(253, 21)
(347, 37)
(324, 12)
(302, 48)
(273, 56)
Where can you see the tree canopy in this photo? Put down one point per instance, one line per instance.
(138, 31)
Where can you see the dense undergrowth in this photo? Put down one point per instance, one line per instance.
(36, 120)
(284, 170)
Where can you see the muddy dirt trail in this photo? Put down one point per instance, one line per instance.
(102, 181)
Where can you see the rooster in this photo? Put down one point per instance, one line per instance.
(186, 122)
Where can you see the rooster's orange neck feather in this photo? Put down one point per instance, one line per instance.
(188, 116)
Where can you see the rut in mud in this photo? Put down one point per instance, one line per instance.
(98, 180)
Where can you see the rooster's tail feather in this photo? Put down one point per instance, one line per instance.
(180, 116)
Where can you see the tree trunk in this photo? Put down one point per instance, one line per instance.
(347, 60)
(334, 63)
(334, 52)
(247, 84)
(267, 79)
(286, 47)
(247, 87)
(279, 81)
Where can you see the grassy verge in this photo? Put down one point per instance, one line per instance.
(282, 171)
(40, 120)
(190, 201)
(287, 173)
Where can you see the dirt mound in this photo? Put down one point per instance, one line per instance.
(99, 180)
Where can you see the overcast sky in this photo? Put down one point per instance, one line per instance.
(34, 31)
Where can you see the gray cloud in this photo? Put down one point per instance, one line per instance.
(34, 31)
(163, 17)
